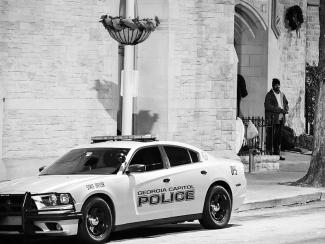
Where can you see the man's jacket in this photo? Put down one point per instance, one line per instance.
(272, 109)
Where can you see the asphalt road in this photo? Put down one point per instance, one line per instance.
(297, 224)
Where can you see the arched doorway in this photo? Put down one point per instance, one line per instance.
(251, 47)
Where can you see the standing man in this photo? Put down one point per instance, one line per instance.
(276, 106)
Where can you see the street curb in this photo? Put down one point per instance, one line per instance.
(300, 199)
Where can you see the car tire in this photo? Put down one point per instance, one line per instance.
(97, 221)
(217, 208)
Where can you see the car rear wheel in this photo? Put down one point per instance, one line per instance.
(217, 208)
(97, 222)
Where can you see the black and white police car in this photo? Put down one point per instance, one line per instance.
(120, 182)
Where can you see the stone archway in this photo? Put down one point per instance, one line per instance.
(251, 47)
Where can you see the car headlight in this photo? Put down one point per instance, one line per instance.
(52, 200)
(56, 199)
(65, 198)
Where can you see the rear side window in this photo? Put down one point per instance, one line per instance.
(177, 155)
(150, 157)
(194, 156)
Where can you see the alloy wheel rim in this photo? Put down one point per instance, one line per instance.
(97, 222)
(219, 207)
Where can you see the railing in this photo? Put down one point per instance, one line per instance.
(259, 142)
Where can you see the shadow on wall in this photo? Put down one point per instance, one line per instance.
(107, 94)
(144, 121)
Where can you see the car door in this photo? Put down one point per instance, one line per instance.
(149, 189)
(188, 179)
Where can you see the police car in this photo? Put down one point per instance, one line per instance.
(121, 182)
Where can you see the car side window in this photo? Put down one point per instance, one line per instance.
(150, 157)
(194, 156)
(177, 155)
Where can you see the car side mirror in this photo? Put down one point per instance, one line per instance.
(136, 168)
(41, 168)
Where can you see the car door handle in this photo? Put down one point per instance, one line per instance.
(203, 172)
(166, 180)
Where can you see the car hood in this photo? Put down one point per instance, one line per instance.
(47, 183)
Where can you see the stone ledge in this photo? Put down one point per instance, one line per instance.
(263, 163)
(272, 203)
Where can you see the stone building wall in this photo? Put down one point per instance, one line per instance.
(2, 166)
(151, 106)
(59, 68)
(187, 74)
(294, 50)
(286, 57)
(202, 98)
(292, 47)
(312, 22)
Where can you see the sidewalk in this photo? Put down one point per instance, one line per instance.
(264, 190)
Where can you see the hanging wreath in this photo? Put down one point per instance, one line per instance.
(129, 31)
(294, 18)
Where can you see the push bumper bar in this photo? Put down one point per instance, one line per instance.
(29, 213)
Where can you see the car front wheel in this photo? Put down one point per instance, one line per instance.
(97, 222)
(217, 208)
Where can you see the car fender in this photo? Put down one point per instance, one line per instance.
(81, 197)
(232, 173)
(214, 181)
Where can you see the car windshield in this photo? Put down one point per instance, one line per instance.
(88, 161)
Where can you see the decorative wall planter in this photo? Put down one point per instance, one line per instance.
(129, 31)
(294, 18)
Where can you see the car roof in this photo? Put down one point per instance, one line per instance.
(134, 144)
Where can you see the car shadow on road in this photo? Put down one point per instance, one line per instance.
(137, 233)
(158, 230)
(154, 231)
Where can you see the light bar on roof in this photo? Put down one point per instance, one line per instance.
(143, 138)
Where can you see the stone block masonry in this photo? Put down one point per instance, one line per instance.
(262, 163)
(203, 54)
(313, 30)
(59, 69)
(293, 60)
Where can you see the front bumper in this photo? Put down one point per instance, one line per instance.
(30, 221)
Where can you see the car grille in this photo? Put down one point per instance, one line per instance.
(11, 204)
(10, 228)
